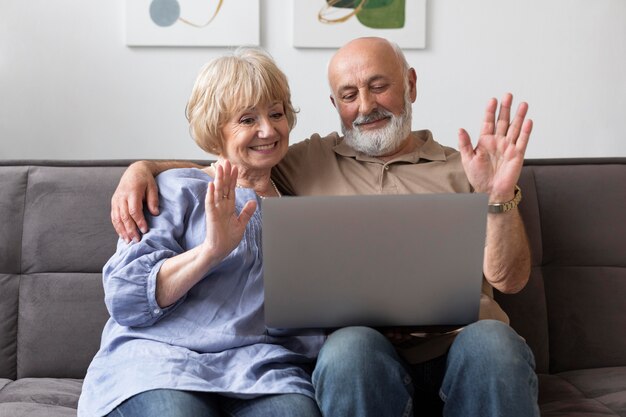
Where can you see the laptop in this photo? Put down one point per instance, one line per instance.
(373, 260)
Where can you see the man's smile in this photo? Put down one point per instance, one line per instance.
(372, 124)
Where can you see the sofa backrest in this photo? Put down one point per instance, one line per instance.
(55, 236)
(573, 310)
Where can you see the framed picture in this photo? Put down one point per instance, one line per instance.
(332, 23)
(192, 22)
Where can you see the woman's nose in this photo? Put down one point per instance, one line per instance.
(266, 128)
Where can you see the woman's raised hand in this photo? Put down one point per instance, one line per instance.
(224, 228)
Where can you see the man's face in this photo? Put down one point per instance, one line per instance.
(382, 141)
(369, 88)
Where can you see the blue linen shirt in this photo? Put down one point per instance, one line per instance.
(214, 338)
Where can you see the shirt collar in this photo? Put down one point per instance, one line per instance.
(425, 148)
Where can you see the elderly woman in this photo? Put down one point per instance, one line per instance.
(186, 335)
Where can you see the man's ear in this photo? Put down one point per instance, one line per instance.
(332, 100)
(413, 84)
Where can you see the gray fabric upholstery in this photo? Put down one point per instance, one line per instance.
(54, 309)
(62, 393)
(67, 226)
(572, 313)
(584, 393)
(55, 236)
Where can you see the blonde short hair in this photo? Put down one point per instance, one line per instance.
(229, 84)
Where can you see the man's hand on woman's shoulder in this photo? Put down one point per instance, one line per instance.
(136, 186)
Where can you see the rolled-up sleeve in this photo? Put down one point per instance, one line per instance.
(130, 276)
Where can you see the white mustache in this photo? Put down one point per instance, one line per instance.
(372, 117)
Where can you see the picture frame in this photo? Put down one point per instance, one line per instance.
(332, 23)
(215, 23)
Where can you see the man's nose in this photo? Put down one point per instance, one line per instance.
(367, 102)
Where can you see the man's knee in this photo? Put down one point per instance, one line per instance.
(492, 342)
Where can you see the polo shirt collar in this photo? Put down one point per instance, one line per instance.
(425, 148)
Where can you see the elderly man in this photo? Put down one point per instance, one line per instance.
(485, 369)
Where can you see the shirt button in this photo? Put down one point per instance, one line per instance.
(156, 311)
(386, 167)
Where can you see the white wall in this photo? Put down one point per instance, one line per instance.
(71, 89)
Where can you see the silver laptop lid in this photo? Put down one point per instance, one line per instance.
(395, 260)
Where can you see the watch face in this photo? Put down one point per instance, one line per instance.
(509, 205)
(496, 208)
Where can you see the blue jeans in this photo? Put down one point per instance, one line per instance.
(174, 403)
(488, 371)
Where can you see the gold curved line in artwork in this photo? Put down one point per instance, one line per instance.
(217, 9)
(331, 3)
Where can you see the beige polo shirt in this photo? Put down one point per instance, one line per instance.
(327, 166)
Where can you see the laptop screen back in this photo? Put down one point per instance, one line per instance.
(399, 260)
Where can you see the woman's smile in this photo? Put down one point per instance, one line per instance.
(265, 148)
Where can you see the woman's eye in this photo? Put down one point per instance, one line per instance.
(247, 121)
(277, 115)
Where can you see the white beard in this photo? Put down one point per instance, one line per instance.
(381, 141)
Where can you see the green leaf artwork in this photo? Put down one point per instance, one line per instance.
(376, 14)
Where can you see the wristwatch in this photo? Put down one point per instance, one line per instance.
(509, 205)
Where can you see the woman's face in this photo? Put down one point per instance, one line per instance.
(256, 138)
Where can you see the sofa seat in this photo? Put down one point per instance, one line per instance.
(587, 392)
(39, 397)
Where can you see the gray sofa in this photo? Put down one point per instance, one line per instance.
(55, 236)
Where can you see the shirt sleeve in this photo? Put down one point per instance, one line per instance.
(129, 277)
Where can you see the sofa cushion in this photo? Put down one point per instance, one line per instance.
(578, 227)
(67, 222)
(587, 320)
(61, 316)
(583, 272)
(572, 309)
(584, 393)
(35, 410)
(40, 397)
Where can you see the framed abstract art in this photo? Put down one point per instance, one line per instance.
(332, 23)
(192, 22)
